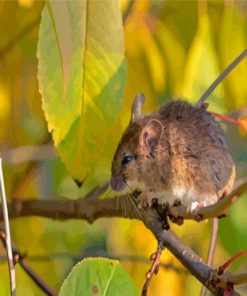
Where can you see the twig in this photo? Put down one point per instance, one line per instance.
(92, 209)
(16, 39)
(128, 10)
(7, 232)
(79, 257)
(29, 153)
(153, 269)
(22, 260)
(212, 211)
(234, 278)
(97, 191)
(205, 274)
(221, 77)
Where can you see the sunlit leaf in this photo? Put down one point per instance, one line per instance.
(139, 29)
(5, 103)
(153, 57)
(81, 77)
(201, 67)
(134, 238)
(26, 3)
(174, 55)
(98, 276)
(233, 29)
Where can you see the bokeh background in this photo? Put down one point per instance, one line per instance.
(174, 49)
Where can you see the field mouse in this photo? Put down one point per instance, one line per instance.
(178, 153)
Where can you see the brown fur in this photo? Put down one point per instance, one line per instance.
(192, 153)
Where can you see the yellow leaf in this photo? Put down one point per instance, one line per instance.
(201, 68)
(174, 55)
(26, 3)
(143, 43)
(4, 103)
(232, 41)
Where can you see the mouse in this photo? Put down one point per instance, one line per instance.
(176, 154)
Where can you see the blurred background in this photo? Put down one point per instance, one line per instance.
(174, 49)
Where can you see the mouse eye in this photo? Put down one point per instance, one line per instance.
(127, 159)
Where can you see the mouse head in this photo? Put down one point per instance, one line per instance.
(136, 150)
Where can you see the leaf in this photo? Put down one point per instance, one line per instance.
(201, 68)
(233, 28)
(174, 55)
(140, 41)
(81, 74)
(98, 276)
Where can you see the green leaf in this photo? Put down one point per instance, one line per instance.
(98, 276)
(233, 29)
(202, 69)
(174, 55)
(82, 73)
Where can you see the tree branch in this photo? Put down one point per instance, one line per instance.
(20, 35)
(90, 209)
(216, 210)
(29, 153)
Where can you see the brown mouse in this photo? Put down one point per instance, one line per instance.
(176, 153)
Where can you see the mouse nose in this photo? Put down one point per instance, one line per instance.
(116, 183)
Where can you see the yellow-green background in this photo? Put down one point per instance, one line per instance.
(174, 49)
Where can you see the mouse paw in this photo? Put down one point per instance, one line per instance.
(151, 198)
(142, 201)
(146, 200)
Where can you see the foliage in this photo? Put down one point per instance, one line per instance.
(98, 276)
(173, 49)
(81, 76)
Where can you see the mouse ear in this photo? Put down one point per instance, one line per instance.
(152, 133)
(136, 112)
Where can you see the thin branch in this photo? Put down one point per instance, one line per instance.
(153, 269)
(128, 10)
(221, 77)
(7, 233)
(91, 209)
(234, 278)
(78, 257)
(97, 191)
(23, 262)
(16, 39)
(204, 273)
(29, 153)
(216, 210)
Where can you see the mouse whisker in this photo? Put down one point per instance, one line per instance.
(135, 207)
(117, 203)
(125, 206)
(129, 186)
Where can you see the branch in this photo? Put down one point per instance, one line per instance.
(16, 39)
(212, 211)
(228, 69)
(22, 260)
(90, 209)
(128, 10)
(234, 278)
(29, 153)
